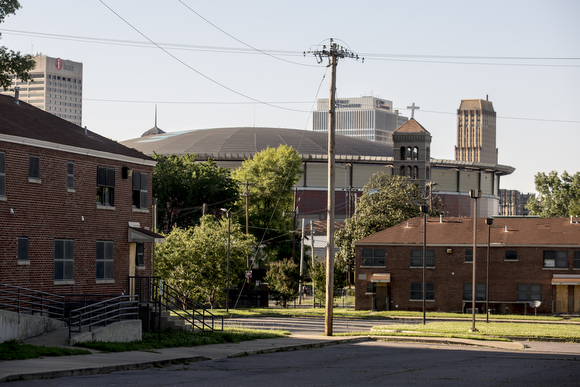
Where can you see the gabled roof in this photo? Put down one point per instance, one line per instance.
(23, 122)
(459, 231)
(411, 126)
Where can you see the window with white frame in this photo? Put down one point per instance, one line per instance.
(468, 255)
(104, 259)
(63, 259)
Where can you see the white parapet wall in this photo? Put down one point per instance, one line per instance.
(122, 331)
(24, 326)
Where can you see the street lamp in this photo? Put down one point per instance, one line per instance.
(425, 211)
(475, 194)
(489, 222)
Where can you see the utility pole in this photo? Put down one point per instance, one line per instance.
(334, 52)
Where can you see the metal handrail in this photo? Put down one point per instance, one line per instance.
(19, 299)
(104, 312)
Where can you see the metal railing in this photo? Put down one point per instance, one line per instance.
(23, 300)
(152, 290)
(104, 312)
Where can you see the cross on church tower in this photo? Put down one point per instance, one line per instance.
(413, 108)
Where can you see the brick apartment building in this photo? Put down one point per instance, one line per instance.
(531, 259)
(75, 212)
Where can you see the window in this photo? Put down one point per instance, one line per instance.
(140, 254)
(417, 291)
(468, 255)
(480, 292)
(105, 186)
(373, 257)
(555, 259)
(529, 292)
(415, 153)
(33, 167)
(104, 260)
(70, 177)
(22, 249)
(63, 259)
(2, 174)
(577, 259)
(511, 255)
(402, 171)
(139, 190)
(403, 153)
(417, 258)
(371, 288)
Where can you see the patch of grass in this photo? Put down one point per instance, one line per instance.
(485, 331)
(14, 350)
(171, 338)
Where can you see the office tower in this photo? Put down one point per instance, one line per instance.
(476, 132)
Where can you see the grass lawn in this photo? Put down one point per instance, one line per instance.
(173, 338)
(14, 350)
(569, 332)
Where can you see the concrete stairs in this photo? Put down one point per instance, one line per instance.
(175, 322)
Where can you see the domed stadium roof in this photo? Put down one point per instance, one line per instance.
(241, 143)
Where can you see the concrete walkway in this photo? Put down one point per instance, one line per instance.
(96, 363)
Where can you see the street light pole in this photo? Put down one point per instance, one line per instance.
(489, 222)
(475, 194)
(424, 210)
(229, 215)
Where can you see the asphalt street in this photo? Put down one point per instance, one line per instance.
(371, 363)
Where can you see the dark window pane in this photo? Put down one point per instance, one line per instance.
(100, 269)
(34, 166)
(23, 249)
(110, 177)
(58, 270)
(101, 176)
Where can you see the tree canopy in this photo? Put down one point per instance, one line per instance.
(271, 174)
(13, 63)
(386, 201)
(183, 185)
(283, 278)
(318, 276)
(194, 260)
(557, 196)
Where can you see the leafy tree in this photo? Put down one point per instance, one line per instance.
(194, 260)
(386, 201)
(272, 173)
(13, 63)
(183, 185)
(318, 276)
(557, 196)
(283, 278)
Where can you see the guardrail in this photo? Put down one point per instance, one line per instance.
(23, 300)
(104, 312)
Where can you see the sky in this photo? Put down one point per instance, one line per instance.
(228, 63)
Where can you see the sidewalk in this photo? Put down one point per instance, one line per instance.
(97, 363)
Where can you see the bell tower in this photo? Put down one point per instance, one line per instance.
(411, 150)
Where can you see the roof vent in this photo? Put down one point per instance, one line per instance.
(16, 93)
(571, 219)
(506, 230)
(440, 218)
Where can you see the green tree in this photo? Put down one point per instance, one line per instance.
(183, 185)
(283, 278)
(194, 260)
(272, 173)
(318, 276)
(386, 201)
(13, 63)
(557, 197)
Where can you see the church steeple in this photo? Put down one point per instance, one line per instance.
(154, 130)
(411, 149)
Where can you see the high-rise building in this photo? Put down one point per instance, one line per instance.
(368, 118)
(476, 132)
(513, 202)
(56, 87)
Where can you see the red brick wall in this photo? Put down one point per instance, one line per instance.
(46, 211)
(451, 272)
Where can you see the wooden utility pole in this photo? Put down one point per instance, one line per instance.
(247, 194)
(334, 52)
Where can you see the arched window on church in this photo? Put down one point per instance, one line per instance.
(415, 172)
(402, 171)
(410, 171)
(403, 153)
(409, 153)
(427, 172)
(415, 153)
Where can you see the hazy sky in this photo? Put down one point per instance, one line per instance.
(240, 63)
